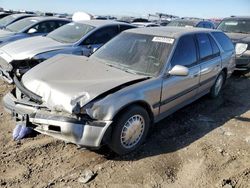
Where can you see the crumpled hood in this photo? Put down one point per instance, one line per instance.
(29, 47)
(65, 80)
(239, 37)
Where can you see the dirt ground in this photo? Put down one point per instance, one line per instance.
(206, 144)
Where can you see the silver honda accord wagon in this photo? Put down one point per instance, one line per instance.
(138, 78)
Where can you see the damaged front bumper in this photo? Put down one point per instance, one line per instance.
(243, 61)
(89, 133)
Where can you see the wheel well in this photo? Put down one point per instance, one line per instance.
(138, 103)
(107, 136)
(225, 71)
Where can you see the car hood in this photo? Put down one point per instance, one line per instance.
(65, 81)
(239, 37)
(5, 33)
(29, 47)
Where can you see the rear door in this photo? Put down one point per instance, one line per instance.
(210, 60)
(179, 90)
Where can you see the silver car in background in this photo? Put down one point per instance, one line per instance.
(30, 27)
(4, 22)
(79, 38)
(133, 81)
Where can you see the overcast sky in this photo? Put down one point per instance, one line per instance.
(194, 8)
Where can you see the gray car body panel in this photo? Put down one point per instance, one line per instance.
(17, 17)
(99, 95)
(35, 47)
(29, 48)
(8, 36)
(78, 85)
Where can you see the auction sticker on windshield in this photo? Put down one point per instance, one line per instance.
(163, 40)
(231, 23)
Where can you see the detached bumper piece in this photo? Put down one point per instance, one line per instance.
(81, 132)
(5, 69)
(4, 75)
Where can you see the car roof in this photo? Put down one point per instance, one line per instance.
(237, 18)
(194, 21)
(144, 23)
(46, 18)
(171, 32)
(21, 15)
(99, 23)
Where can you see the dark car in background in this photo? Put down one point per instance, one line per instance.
(4, 22)
(4, 14)
(192, 22)
(238, 30)
(30, 27)
(78, 38)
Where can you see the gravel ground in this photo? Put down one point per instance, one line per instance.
(206, 144)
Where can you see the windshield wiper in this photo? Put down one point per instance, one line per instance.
(127, 70)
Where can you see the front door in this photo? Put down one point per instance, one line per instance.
(177, 90)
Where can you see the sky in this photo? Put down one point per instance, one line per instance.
(139, 8)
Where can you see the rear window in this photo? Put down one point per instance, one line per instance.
(224, 41)
(216, 50)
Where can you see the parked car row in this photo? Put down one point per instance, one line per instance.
(29, 27)
(79, 38)
(107, 82)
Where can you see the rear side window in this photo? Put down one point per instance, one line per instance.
(208, 25)
(46, 27)
(224, 41)
(102, 35)
(61, 23)
(201, 24)
(216, 50)
(185, 52)
(205, 47)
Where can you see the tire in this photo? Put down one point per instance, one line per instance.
(138, 118)
(216, 89)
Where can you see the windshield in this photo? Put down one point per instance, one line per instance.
(21, 25)
(70, 33)
(7, 20)
(235, 26)
(135, 53)
(182, 23)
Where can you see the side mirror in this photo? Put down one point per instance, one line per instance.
(94, 50)
(32, 30)
(179, 70)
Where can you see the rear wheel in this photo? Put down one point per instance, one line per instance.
(216, 89)
(129, 130)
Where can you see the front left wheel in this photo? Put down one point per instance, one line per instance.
(129, 130)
